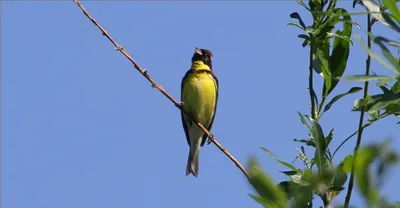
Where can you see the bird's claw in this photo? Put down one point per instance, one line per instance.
(179, 105)
(210, 139)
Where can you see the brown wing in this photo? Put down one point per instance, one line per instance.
(215, 109)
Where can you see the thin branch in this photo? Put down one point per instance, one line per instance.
(360, 124)
(161, 89)
(369, 123)
(311, 83)
(349, 137)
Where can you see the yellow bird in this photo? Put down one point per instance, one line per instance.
(199, 96)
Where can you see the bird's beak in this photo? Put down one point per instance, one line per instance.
(197, 51)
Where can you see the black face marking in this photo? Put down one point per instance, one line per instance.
(205, 56)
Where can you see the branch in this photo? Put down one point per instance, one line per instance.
(161, 89)
(310, 84)
(360, 124)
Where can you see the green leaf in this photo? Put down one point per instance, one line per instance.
(363, 173)
(384, 81)
(261, 201)
(337, 189)
(364, 78)
(388, 21)
(308, 176)
(385, 89)
(329, 137)
(339, 36)
(305, 37)
(396, 87)
(319, 138)
(294, 176)
(307, 142)
(393, 109)
(303, 120)
(339, 179)
(296, 15)
(385, 51)
(295, 25)
(303, 4)
(376, 57)
(303, 197)
(325, 71)
(381, 102)
(263, 184)
(316, 64)
(391, 5)
(288, 165)
(360, 104)
(375, 10)
(341, 49)
(288, 188)
(338, 97)
(347, 164)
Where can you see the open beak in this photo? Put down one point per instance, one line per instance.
(198, 51)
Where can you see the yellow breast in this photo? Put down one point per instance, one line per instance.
(199, 96)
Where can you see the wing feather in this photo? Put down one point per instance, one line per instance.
(184, 124)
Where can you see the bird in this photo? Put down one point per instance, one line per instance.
(199, 97)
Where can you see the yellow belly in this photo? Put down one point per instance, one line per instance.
(199, 97)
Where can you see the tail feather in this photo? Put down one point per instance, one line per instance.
(192, 166)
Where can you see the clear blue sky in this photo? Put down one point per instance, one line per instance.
(81, 128)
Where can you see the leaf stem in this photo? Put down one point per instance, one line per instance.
(360, 124)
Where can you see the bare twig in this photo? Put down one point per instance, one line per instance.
(360, 124)
(161, 89)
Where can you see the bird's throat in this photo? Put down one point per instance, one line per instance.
(199, 65)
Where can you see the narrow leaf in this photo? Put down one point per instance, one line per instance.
(363, 177)
(391, 5)
(383, 101)
(296, 15)
(348, 163)
(265, 187)
(293, 175)
(329, 137)
(385, 51)
(375, 11)
(363, 78)
(340, 178)
(303, 4)
(319, 138)
(341, 49)
(295, 25)
(396, 87)
(280, 161)
(376, 57)
(338, 97)
(325, 71)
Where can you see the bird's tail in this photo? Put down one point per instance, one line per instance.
(192, 166)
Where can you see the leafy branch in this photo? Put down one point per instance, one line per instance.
(321, 176)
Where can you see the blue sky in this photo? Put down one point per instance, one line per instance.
(81, 128)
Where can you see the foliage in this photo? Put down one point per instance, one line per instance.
(329, 40)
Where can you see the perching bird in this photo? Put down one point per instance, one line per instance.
(199, 96)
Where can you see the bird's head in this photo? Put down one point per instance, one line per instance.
(203, 55)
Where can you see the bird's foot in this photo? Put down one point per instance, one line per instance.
(180, 105)
(210, 139)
